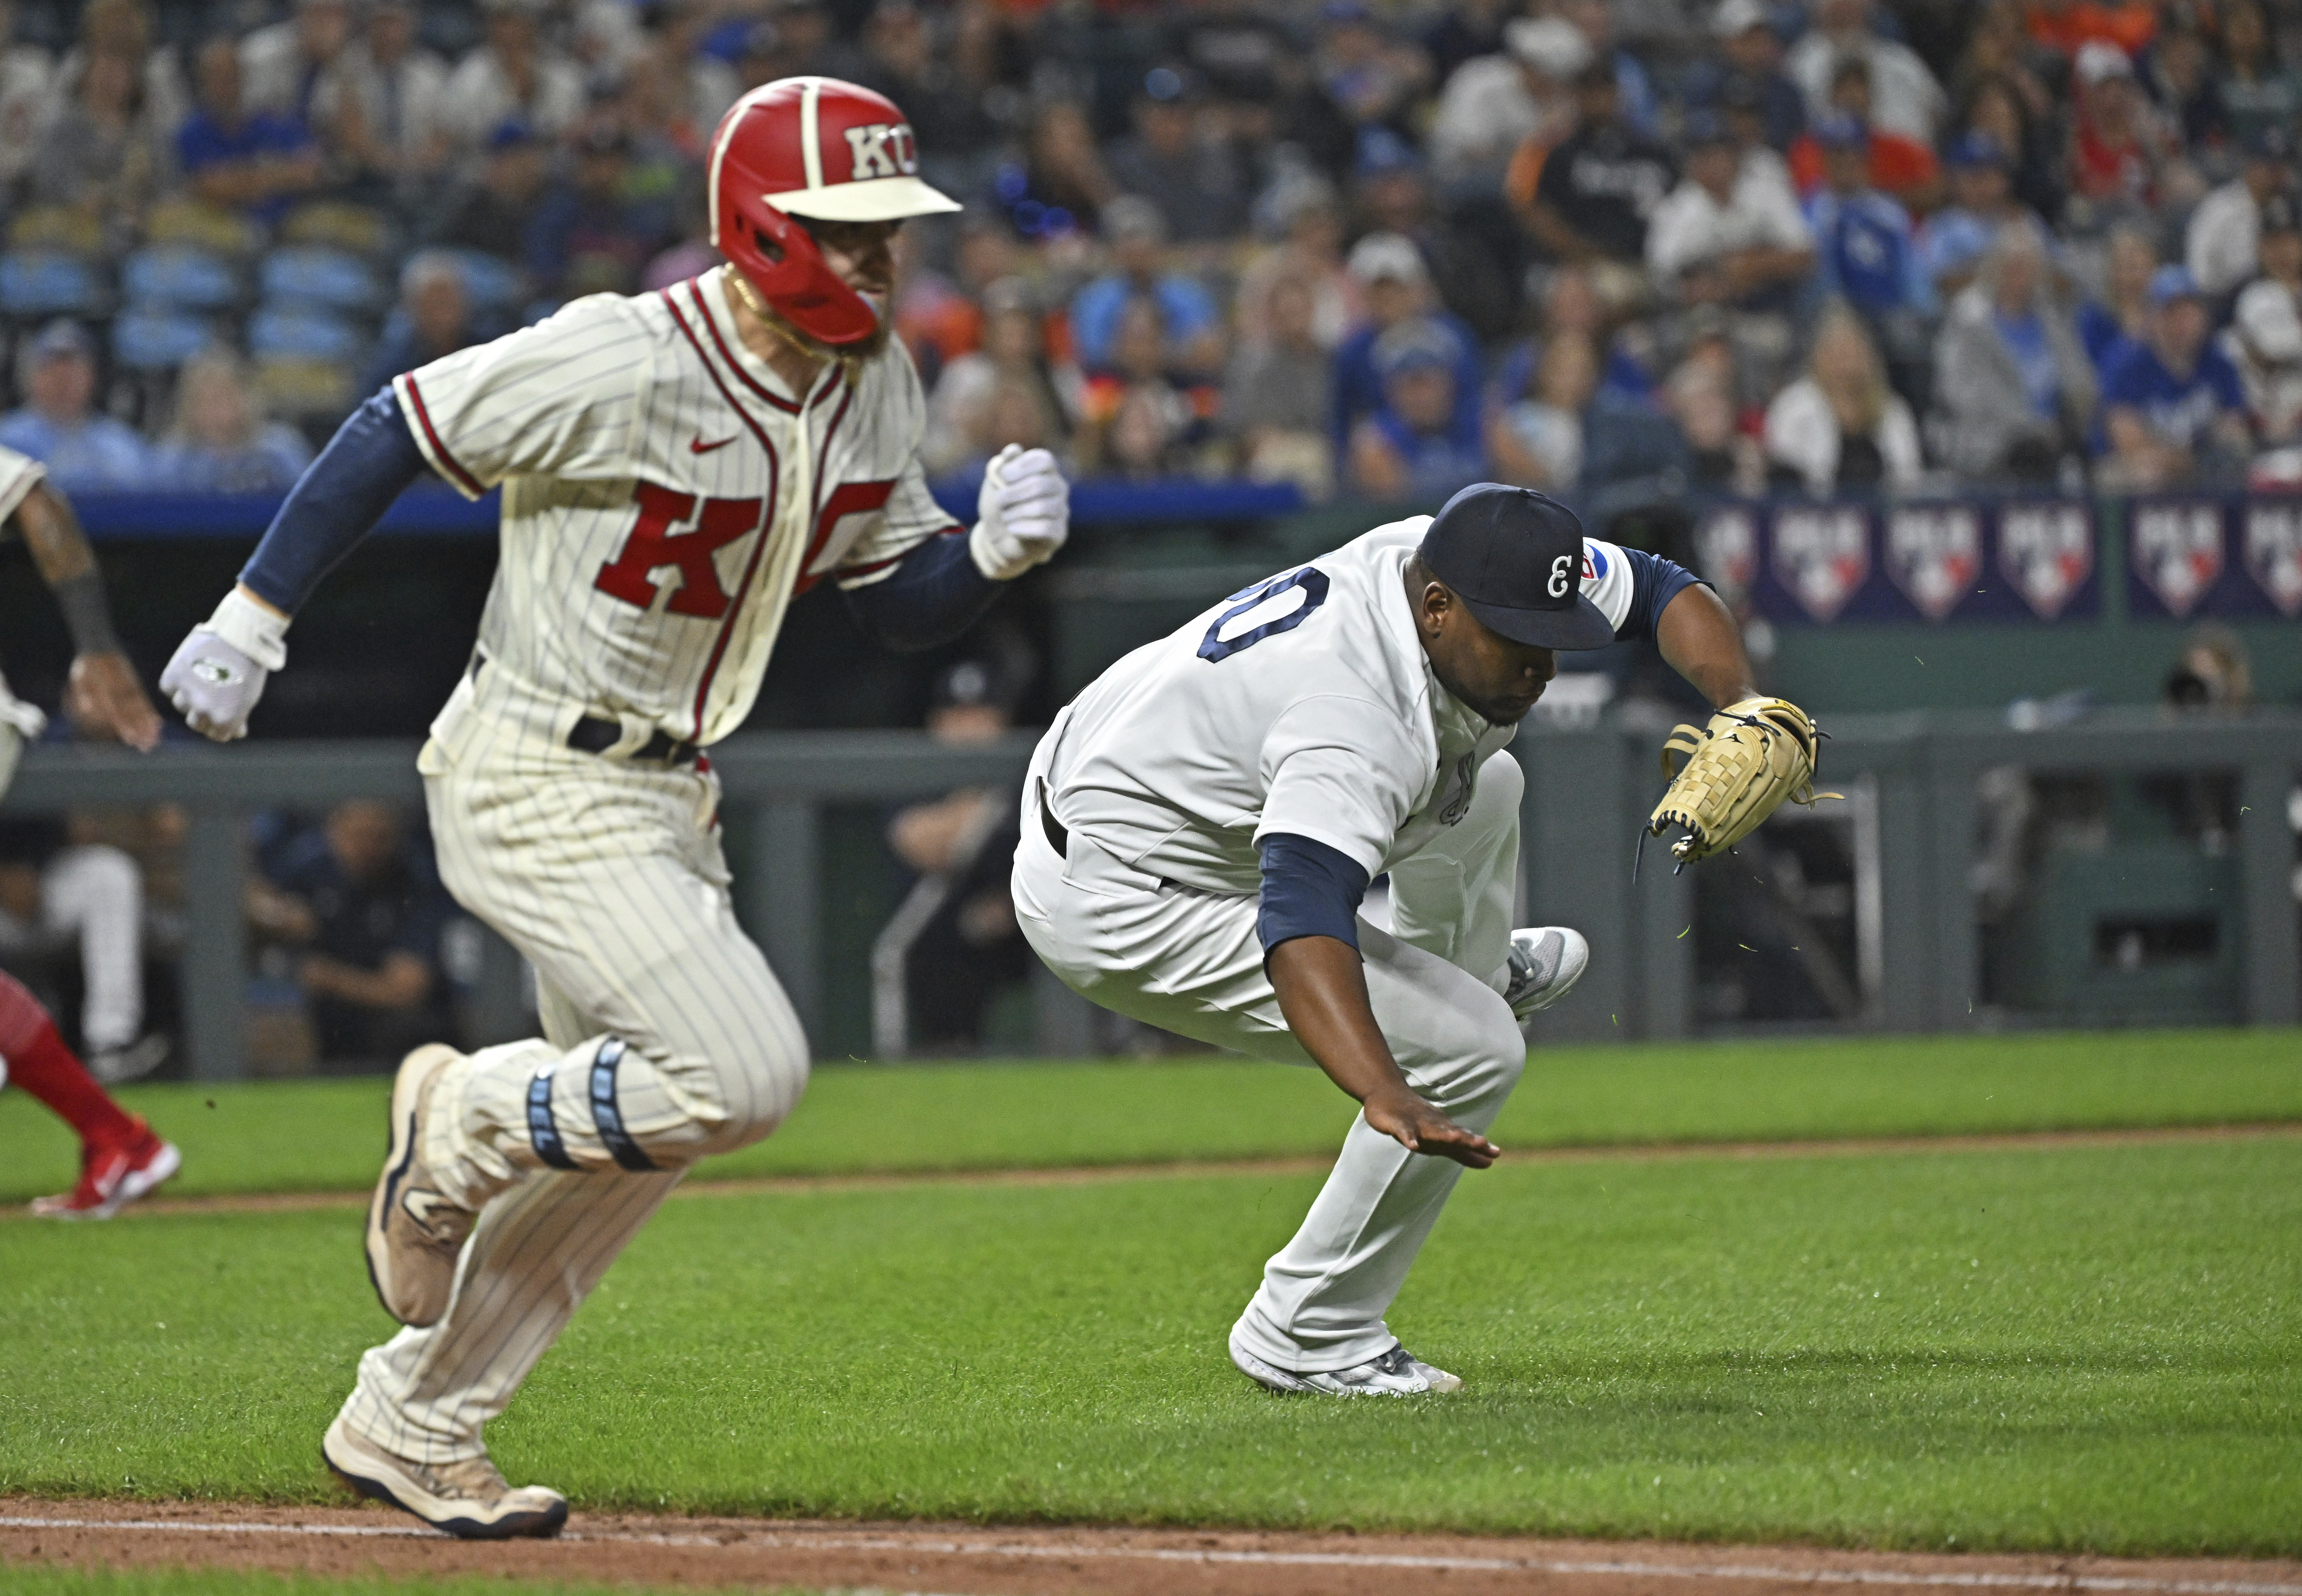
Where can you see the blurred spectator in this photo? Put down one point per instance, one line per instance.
(1841, 428)
(1493, 102)
(492, 210)
(1598, 187)
(313, 72)
(2264, 343)
(124, 27)
(433, 320)
(2181, 81)
(585, 236)
(1408, 449)
(2014, 387)
(1140, 422)
(931, 84)
(1731, 231)
(62, 894)
(1905, 97)
(1137, 233)
(1898, 165)
(85, 452)
(220, 442)
(516, 72)
(1391, 273)
(1998, 108)
(26, 73)
(102, 154)
(1276, 395)
(2171, 405)
(1746, 75)
(1366, 76)
(237, 159)
(1311, 255)
(367, 909)
(1063, 185)
(1395, 197)
(982, 396)
(395, 118)
(2068, 25)
(2118, 142)
(1699, 395)
(1537, 442)
(1594, 19)
(2124, 310)
(1463, 31)
(1952, 241)
(1170, 160)
(2258, 92)
(706, 85)
(955, 933)
(1865, 251)
(2223, 246)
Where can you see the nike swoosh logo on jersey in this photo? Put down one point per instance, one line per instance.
(697, 446)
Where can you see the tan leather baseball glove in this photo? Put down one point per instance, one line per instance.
(1754, 754)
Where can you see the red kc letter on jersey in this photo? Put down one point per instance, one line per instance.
(653, 545)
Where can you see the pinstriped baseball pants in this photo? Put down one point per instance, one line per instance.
(665, 1038)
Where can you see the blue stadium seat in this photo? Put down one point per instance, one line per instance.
(150, 339)
(179, 277)
(278, 333)
(322, 278)
(40, 282)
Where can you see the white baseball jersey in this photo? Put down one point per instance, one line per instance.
(20, 722)
(19, 475)
(1303, 704)
(665, 495)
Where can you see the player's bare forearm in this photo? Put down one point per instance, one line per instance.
(1700, 640)
(1323, 994)
(102, 695)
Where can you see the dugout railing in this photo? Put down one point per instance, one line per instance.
(1589, 790)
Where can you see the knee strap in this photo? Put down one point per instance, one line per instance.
(606, 1116)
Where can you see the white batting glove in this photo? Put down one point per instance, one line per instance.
(1024, 513)
(218, 672)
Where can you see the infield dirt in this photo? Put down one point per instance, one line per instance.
(976, 1560)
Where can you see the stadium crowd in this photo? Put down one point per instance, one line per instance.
(1736, 245)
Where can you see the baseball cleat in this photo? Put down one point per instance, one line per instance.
(1396, 1372)
(469, 1498)
(1545, 962)
(113, 1176)
(414, 1230)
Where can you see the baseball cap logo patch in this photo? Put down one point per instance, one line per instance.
(881, 149)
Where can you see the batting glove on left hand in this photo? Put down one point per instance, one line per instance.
(1024, 512)
(218, 672)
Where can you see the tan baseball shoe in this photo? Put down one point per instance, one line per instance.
(469, 1499)
(414, 1230)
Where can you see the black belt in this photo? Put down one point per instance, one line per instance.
(1058, 838)
(592, 734)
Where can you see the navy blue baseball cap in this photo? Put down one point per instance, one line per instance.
(1515, 558)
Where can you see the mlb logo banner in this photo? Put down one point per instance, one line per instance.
(2177, 557)
(2046, 559)
(2271, 548)
(1821, 559)
(1727, 550)
(1934, 555)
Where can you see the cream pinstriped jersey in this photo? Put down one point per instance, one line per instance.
(665, 497)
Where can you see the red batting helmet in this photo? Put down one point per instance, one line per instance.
(820, 149)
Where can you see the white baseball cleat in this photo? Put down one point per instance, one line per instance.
(469, 1499)
(1396, 1372)
(1545, 962)
(414, 1230)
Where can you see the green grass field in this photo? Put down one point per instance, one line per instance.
(2067, 1349)
(329, 1135)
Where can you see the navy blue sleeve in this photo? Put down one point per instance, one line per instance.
(336, 502)
(934, 593)
(1309, 889)
(1655, 582)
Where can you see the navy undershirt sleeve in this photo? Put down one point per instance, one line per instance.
(336, 502)
(1309, 889)
(934, 593)
(1655, 582)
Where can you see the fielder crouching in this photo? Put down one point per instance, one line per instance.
(1201, 824)
(675, 468)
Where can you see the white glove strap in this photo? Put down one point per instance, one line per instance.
(260, 633)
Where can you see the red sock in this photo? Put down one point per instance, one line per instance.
(39, 1062)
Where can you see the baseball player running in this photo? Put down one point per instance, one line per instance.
(120, 1157)
(676, 467)
(1201, 822)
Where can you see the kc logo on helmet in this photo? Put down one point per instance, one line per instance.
(883, 149)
